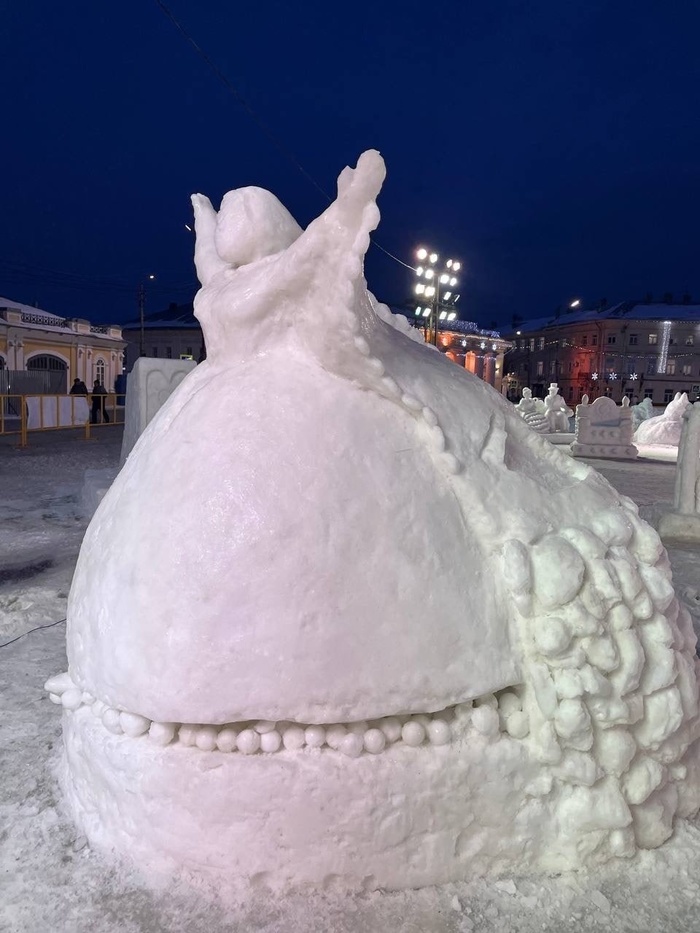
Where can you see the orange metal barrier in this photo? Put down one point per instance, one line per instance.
(23, 414)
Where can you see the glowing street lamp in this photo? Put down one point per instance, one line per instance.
(429, 288)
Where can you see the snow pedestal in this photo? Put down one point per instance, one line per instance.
(342, 613)
(148, 387)
(682, 524)
(604, 430)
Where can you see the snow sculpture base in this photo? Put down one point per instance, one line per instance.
(148, 387)
(404, 818)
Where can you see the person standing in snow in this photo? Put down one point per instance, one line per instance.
(98, 403)
(78, 387)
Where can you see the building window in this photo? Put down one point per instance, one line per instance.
(687, 370)
(584, 340)
(540, 343)
(695, 391)
(594, 340)
(571, 367)
(570, 392)
(689, 341)
(631, 366)
(649, 393)
(653, 338)
(154, 351)
(540, 368)
(608, 392)
(532, 343)
(629, 393)
(634, 340)
(612, 338)
(100, 371)
(553, 368)
(670, 367)
(668, 396)
(651, 366)
(169, 352)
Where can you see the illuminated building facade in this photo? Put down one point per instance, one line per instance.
(638, 350)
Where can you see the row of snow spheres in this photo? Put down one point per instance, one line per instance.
(390, 635)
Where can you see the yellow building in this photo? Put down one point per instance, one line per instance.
(55, 350)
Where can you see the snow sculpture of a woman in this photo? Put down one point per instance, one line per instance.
(342, 614)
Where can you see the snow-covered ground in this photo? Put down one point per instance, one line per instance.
(51, 882)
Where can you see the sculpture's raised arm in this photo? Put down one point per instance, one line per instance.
(345, 225)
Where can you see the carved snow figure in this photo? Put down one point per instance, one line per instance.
(531, 410)
(342, 615)
(604, 430)
(642, 412)
(664, 429)
(556, 411)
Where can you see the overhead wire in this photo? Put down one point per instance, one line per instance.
(37, 629)
(272, 137)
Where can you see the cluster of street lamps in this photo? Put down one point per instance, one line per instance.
(435, 290)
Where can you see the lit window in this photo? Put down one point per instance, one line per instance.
(540, 368)
(687, 370)
(540, 343)
(653, 339)
(670, 367)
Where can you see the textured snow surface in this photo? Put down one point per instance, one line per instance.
(53, 881)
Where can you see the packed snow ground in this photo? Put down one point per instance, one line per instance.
(52, 881)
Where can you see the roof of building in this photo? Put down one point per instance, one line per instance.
(38, 319)
(625, 310)
(174, 317)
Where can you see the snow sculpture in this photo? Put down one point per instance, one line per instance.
(148, 387)
(532, 410)
(683, 522)
(642, 412)
(604, 430)
(556, 411)
(343, 616)
(664, 429)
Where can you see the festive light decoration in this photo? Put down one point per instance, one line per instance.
(663, 351)
(634, 376)
(594, 377)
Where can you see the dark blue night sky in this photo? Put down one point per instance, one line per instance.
(552, 146)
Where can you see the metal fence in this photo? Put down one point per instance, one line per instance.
(36, 382)
(21, 415)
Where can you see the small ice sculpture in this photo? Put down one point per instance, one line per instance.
(604, 430)
(343, 616)
(664, 429)
(683, 522)
(532, 411)
(642, 412)
(556, 411)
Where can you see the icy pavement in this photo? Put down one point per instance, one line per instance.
(52, 883)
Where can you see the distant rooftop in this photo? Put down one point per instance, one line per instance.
(625, 310)
(174, 317)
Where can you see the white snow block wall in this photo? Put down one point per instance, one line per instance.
(604, 430)
(148, 386)
(682, 523)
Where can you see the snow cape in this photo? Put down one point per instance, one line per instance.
(335, 538)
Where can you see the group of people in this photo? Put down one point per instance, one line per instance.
(98, 412)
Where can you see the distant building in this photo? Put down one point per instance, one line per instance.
(479, 351)
(639, 350)
(171, 335)
(55, 350)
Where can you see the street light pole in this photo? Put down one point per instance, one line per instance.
(429, 288)
(142, 306)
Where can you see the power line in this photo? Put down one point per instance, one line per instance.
(258, 120)
(37, 629)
